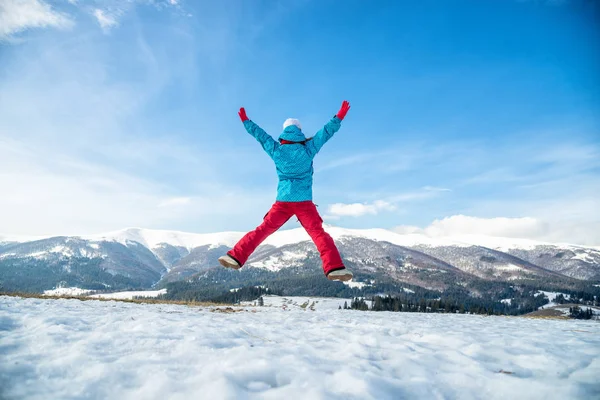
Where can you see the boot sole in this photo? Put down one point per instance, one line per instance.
(227, 265)
(342, 278)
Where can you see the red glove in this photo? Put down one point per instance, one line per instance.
(243, 115)
(343, 110)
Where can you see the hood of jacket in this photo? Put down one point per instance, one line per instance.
(293, 134)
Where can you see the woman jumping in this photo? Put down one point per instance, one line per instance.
(293, 156)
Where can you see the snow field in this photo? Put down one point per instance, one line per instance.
(67, 291)
(75, 291)
(130, 295)
(551, 296)
(298, 302)
(71, 349)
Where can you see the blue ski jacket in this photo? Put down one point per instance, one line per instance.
(294, 162)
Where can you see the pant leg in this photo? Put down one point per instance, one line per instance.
(278, 215)
(310, 219)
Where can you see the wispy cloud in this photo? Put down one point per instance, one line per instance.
(105, 20)
(388, 203)
(79, 196)
(76, 137)
(358, 209)
(391, 201)
(17, 16)
(436, 189)
(109, 12)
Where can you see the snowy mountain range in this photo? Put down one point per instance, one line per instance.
(143, 258)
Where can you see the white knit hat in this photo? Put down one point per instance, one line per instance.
(292, 121)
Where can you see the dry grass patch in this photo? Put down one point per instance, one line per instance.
(136, 301)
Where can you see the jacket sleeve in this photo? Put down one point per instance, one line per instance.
(265, 140)
(314, 145)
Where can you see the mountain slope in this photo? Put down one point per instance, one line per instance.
(78, 262)
(571, 260)
(486, 263)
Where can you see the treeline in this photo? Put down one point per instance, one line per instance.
(578, 313)
(468, 305)
(215, 284)
(243, 294)
(188, 291)
(578, 298)
(231, 296)
(576, 291)
(34, 276)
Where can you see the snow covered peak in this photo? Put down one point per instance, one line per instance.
(504, 243)
(384, 235)
(153, 238)
(290, 236)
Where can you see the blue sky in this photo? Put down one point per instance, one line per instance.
(467, 116)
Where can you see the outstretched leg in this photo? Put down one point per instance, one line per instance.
(310, 219)
(278, 215)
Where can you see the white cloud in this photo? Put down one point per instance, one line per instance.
(387, 203)
(550, 230)
(359, 209)
(19, 15)
(105, 20)
(466, 225)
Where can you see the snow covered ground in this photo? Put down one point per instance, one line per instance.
(130, 295)
(551, 296)
(75, 291)
(298, 302)
(67, 291)
(71, 349)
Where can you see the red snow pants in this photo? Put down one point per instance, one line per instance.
(279, 214)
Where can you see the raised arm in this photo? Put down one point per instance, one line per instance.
(266, 141)
(328, 130)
